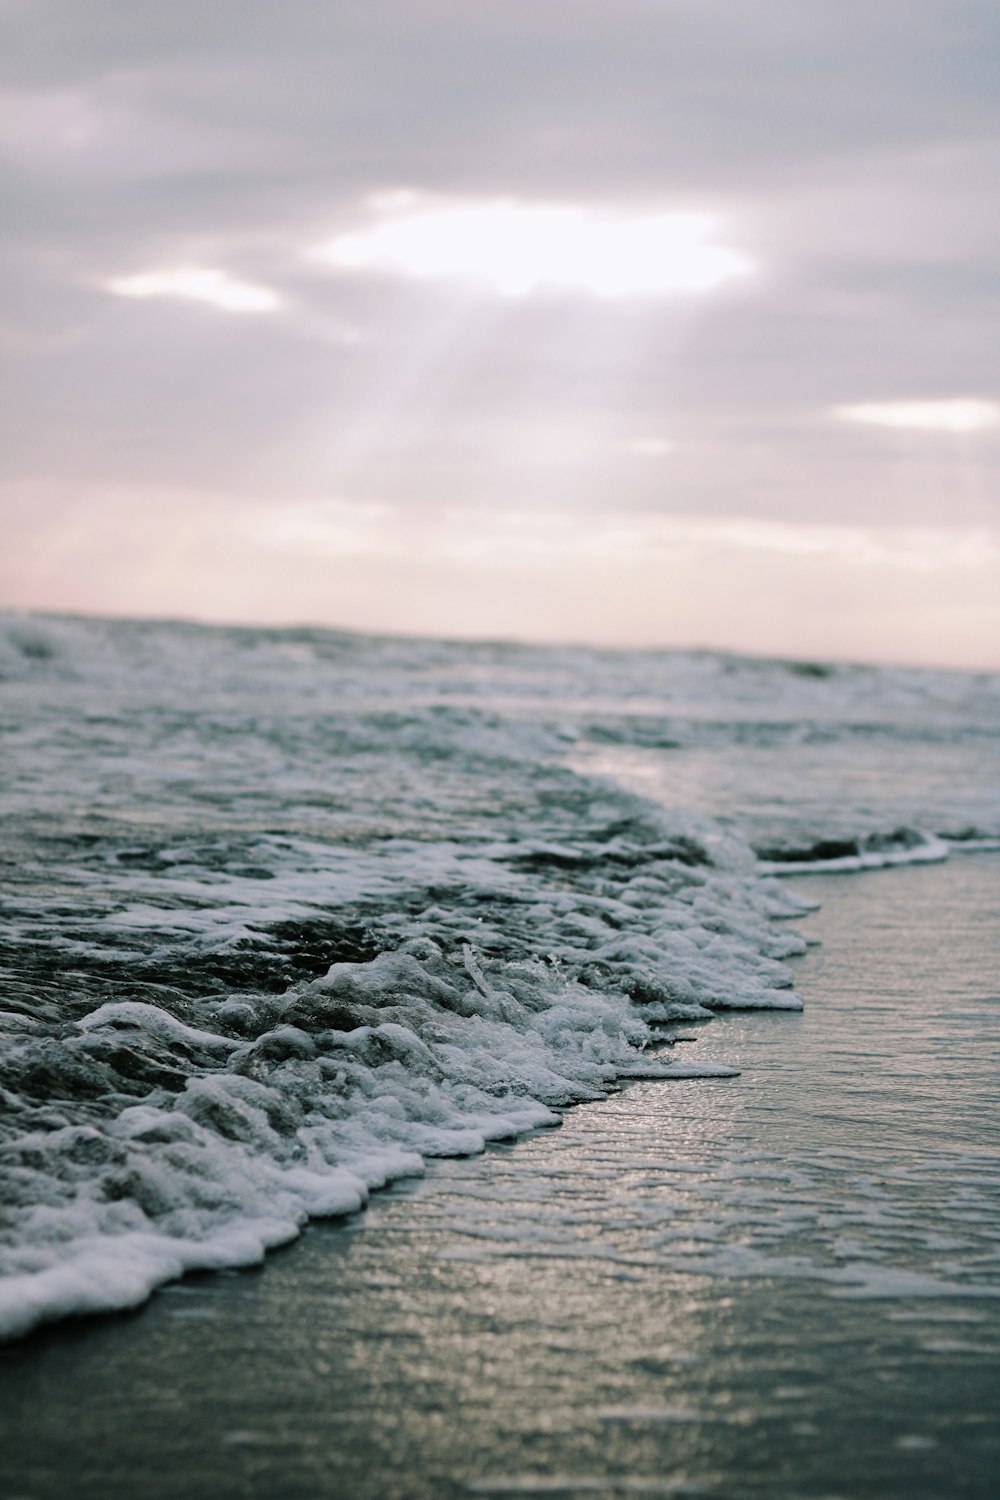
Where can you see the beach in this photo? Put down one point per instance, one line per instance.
(783, 1284)
(483, 978)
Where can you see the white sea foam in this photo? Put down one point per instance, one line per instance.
(289, 913)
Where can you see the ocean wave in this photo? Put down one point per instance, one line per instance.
(287, 913)
(870, 851)
(146, 1137)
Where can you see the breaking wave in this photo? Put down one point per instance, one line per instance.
(288, 913)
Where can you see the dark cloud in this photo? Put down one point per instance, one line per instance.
(635, 96)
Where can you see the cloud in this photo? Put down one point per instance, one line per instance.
(178, 151)
(648, 447)
(913, 593)
(704, 541)
(518, 248)
(198, 284)
(957, 414)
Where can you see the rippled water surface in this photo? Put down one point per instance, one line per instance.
(782, 1284)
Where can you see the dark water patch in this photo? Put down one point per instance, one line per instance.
(48, 1073)
(683, 851)
(649, 732)
(823, 849)
(311, 945)
(50, 979)
(814, 669)
(896, 841)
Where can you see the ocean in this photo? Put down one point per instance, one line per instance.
(291, 916)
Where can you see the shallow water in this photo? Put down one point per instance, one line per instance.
(778, 1285)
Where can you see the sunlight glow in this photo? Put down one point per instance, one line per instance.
(519, 249)
(518, 537)
(630, 537)
(957, 415)
(198, 284)
(649, 447)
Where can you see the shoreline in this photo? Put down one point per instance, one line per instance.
(361, 1358)
(91, 1294)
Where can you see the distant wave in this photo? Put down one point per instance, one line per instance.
(872, 851)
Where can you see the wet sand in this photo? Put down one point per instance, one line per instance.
(784, 1284)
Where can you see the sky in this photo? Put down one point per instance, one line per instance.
(661, 322)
